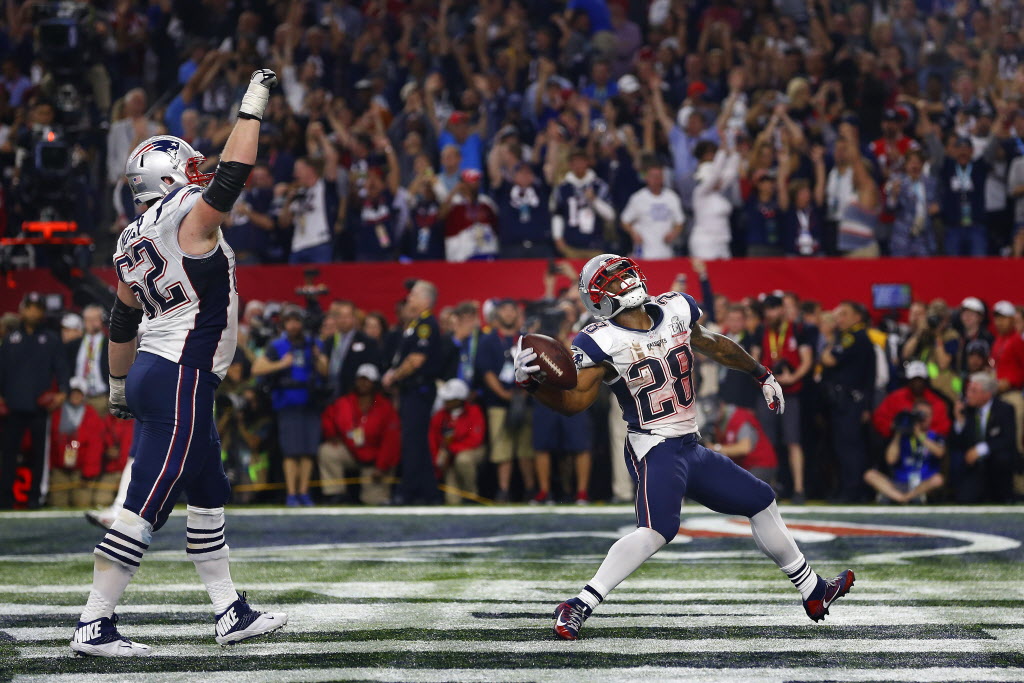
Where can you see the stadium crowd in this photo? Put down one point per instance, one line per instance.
(464, 130)
(925, 409)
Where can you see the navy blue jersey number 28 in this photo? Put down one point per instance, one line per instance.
(677, 367)
(154, 300)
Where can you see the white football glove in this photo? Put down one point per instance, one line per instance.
(525, 373)
(254, 102)
(772, 391)
(118, 403)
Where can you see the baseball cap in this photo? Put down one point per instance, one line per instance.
(772, 301)
(978, 346)
(471, 175)
(917, 369)
(33, 299)
(453, 390)
(71, 321)
(292, 311)
(696, 89)
(77, 383)
(891, 115)
(973, 303)
(628, 84)
(1005, 308)
(368, 371)
(458, 117)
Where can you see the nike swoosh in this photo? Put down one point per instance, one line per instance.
(560, 621)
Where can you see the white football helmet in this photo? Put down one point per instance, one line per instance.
(598, 275)
(158, 159)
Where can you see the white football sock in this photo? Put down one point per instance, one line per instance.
(109, 579)
(204, 533)
(624, 558)
(122, 487)
(775, 541)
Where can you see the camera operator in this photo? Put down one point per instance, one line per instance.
(912, 458)
(934, 342)
(68, 38)
(295, 365)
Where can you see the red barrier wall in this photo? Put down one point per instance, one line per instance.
(379, 286)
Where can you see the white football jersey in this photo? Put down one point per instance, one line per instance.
(191, 302)
(653, 368)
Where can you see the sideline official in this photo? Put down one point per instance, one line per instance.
(414, 370)
(32, 358)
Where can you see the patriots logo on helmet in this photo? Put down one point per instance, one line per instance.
(168, 146)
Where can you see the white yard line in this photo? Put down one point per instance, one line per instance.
(645, 674)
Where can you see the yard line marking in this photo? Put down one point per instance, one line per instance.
(646, 673)
(615, 646)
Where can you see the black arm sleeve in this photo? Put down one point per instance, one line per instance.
(227, 184)
(124, 322)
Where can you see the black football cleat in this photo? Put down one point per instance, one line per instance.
(827, 593)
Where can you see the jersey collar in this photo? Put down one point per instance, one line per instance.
(653, 310)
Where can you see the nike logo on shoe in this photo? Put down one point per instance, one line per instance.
(88, 632)
(227, 622)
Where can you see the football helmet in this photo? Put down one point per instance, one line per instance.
(597, 277)
(160, 157)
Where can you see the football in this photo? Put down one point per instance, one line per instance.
(557, 368)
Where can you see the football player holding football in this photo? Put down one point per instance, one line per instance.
(174, 267)
(642, 347)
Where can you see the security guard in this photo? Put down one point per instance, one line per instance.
(414, 371)
(32, 359)
(849, 379)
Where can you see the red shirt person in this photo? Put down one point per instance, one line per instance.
(903, 399)
(739, 436)
(1008, 348)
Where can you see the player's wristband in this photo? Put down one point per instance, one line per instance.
(760, 373)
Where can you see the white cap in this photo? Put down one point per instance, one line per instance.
(973, 303)
(1004, 307)
(628, 84)
(77, 383)
(368, 371)
(917, 368)
(71, 321)
(453, 390)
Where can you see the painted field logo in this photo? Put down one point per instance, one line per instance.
(872, 542)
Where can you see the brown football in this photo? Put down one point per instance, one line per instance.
(557, 368)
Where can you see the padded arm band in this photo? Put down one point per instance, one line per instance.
(124, 322)
(227, 184)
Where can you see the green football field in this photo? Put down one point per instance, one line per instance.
(466, 594)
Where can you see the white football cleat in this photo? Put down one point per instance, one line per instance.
(241, 622)
(99, 638)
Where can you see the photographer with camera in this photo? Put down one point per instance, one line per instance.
(912, 458)
(295, 366)
(904, 398)
(311, 204)
(934, 342)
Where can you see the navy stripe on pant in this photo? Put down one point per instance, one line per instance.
(679, 468)
(176, 446)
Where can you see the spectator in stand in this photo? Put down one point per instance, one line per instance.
(295, 364)
(78, 445)
(450, 174)
(88, 360)
(911, 458)
(962, 198)
(738, 435)
(803, 223)
(762, 216)
(972, 324)
(508, 418)
(849, 378)
(717, 171)
(311, 203)
(376, 231)
(787, 351)
(913, 199)
(579, 207)
(983, 445)
(251, 226)
(653, 217)
(457, 441)
(470, 221)
(361, 432)
(414, 371)
(1008, 357)
(347, 348)
(905, 398)
(524, 214)
(1015, 188)
(852, 197)
(890, 150)
(32, 363)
